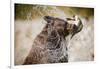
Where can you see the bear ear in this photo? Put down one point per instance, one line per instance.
(69, 19)
(49, 19)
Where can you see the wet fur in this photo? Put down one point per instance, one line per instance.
(50, 45)
(42, 52)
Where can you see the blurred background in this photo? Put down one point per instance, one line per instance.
(29, 23)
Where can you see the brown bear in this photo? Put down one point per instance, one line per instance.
(50, 45)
